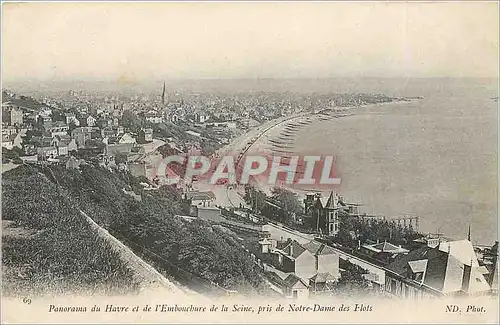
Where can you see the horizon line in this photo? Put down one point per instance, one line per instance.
(156, 79)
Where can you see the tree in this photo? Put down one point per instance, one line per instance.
(57, 115)
(352, 281)
(208, 148)
(121, 158)
(131, 121)
(373, 230)
(255, 198)
(71, 126)
(289, 202)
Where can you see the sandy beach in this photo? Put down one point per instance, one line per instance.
(266, 139)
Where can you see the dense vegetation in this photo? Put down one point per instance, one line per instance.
(352, 282)
(56, 250)
(353, 230)
(282, 206)
(150, 227)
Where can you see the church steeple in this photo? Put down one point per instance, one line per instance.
(163, 94)
(468, 234)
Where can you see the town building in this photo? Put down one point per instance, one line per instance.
(295, 258)
(126, 138)
(90, 121)
(16, 116)
(71, 119)
(146, 135)
(58, 129)
(197, 198)
(326, 260)
(154, 117)
(296, 287)
(324, 213)
(8, 140)
(322, 283)
(47, 152)
(81, 135)
(449, 269)
(384, 252)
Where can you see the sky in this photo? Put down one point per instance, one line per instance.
(138, 41)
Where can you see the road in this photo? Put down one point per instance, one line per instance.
(9, 166)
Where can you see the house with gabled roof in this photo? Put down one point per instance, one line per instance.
(325, 213)
(450, 269)
(295, 287)
(126, 138)
(295, 258)
(71, 119)
(326, 258)
(200, 198)
(322, 282)
(326, 266)
(384, 252)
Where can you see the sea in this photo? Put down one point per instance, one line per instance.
(435, 157)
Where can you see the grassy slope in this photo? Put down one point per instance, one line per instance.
(185, 250)
(55, 251)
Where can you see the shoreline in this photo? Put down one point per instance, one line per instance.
(258, 139)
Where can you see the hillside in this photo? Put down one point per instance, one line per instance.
(49, 247)
(28, 103)
(194, 253)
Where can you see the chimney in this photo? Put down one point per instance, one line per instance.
(291, 249)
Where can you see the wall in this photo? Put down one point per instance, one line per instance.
(302, 293)
(329, 263)
(305, 266)
(454, 275)
(209, 214)
(287, 264)
(395, 286)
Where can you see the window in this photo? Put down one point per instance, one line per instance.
(331, 227)
(331, 216)
(393, 286)
(418, 276)
(295, 294)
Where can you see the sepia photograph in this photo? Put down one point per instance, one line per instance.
(250, 162)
